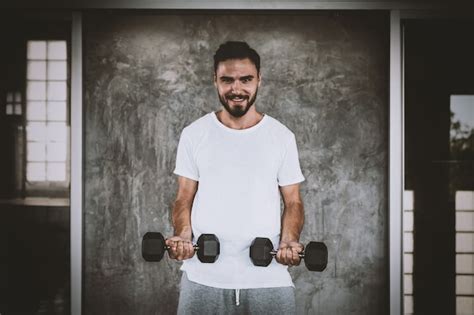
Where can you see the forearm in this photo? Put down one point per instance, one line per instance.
(181, 217)
(292, 221)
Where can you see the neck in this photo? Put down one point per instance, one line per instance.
(250, 119)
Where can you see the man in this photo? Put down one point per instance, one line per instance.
(232, 166)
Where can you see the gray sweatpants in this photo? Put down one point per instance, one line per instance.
(195, 298)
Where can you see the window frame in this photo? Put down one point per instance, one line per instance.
(54, 189)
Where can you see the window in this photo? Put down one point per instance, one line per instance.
(464, 208)
(408, 228)
(462, 151)
(46, 112)
(13, 104)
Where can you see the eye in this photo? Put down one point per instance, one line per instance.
(226, 80)
(246, 80)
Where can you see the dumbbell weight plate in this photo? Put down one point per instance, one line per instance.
(316, 256)
(153, 246)
(260, 251)
(208, 248)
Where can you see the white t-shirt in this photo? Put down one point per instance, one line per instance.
(238, 198)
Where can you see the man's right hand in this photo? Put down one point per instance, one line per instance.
(180, 248)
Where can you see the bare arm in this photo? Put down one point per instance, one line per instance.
(180, 243)
(181, 215)
(293, 214)
(291, 226)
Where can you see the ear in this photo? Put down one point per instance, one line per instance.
(259, 78)
(215, 80)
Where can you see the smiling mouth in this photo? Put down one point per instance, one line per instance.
(237, 98)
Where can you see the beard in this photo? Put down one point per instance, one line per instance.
(238, 110)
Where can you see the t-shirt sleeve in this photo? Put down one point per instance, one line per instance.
(289, 172)
(185, 161)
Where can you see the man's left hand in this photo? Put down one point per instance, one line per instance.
(288, 253)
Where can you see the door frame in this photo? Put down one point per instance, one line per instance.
(398, 12)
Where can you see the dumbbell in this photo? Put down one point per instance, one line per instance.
(315, 254)
(154, 247)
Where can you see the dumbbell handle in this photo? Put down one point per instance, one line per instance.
(274, 252)
(196, 248)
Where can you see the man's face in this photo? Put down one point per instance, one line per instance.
(237, 83)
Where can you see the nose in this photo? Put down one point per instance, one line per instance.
(236, 86)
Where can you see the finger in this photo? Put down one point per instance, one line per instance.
(284, 259)
(278, 256)
(167, 245)
(179, 251)
(185, 250)
(288, 256)
(189, 250)
(282, 252)
(173, 246)
(295, 259)
(172, 249)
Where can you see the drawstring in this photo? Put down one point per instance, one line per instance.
(237, 297)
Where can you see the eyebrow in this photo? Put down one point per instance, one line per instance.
(247, 77)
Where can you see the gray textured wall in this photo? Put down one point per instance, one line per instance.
(325, 75)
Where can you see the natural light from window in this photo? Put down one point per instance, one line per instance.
(13, 104)
(464, 208)
(408, 228)
(46, 111)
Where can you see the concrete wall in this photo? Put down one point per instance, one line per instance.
(147, 76)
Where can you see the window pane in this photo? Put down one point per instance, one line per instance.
(464, 285)
(17, 109)
(408, 284)
(462, 107)
(57, 50)
(36, 91)
(36, 49)
(57, 91)
(36, 111)
(407, 263)
(57, 111)
(36, 172)
(56, 171)
(18, 97)
(36, 70)
(10, 97)
(464, 242)
(57, 70)
(57, 132)
(408, 303)
(465, 221)
(9, 110)
(408, 201)
(464, 200)
(465, 263)
(408, 242)
(36, 152)
(56, 152)
(36, 131)
(408, 221)
(464, 305)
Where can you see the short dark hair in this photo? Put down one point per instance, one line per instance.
(236, 50)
